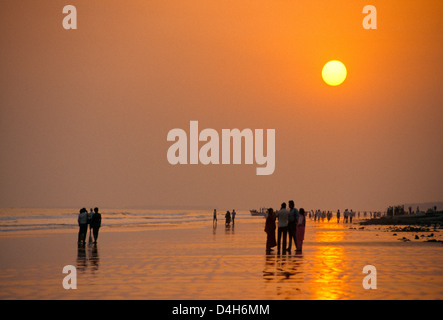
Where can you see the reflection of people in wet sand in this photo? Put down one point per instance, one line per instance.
(270, 231)
(300, 229)
(283, 267)
(93, 257)
(83, 259)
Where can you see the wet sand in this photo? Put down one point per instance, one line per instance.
(200, 262)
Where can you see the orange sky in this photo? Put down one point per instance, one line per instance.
(84, 114)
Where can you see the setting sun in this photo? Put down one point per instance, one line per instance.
(334, 73)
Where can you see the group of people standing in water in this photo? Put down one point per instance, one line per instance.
(291, 223)
(93, 219)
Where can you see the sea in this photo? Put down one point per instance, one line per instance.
(36, 219)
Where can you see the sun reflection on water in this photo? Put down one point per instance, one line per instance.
(330, 281)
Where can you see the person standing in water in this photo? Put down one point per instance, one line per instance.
(292, 221)
(83, 226)
(283, 217)
(96, 222)
(214, 218)
(300, 230)
(270, 231)
(233, 213)
(227, 218)
(90, 225)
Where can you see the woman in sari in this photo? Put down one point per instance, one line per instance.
(300, 230)
(270, 230)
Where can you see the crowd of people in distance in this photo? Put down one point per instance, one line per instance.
(319, 215)
(93, 219)
(291, 226)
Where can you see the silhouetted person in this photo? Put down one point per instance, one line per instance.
(293, 215)
(283, 217)
(83, 226)
(301, 225)
(270, 231)
(338, 216)
(96, 222)
(346, 216)
(233, 213)
(227, 218)
(90, 226)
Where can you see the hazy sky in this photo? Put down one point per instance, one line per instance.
(84, 114)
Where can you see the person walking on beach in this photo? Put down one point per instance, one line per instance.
(292, 221)
(300, 230)
(338, 216)
(83, 226)
(233, 213)
(270, 231)
(283, 217)
(214, 218)
(96, 222)
(227, 218)
(351, 214)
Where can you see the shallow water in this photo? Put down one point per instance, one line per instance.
(202, 262)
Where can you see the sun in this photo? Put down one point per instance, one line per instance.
(334, 73)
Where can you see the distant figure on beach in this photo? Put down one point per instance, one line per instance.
(83, 226)
(214, 218)
(270, 230)
(351, 214)
(233, 213)
(300, 229)
(96, 222)
(292, 221)
(283, 219)
(338, 216)
(345, 216)
(227, 218)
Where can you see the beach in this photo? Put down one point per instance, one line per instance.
(197, 261)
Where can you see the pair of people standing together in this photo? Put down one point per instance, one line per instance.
(291, 223)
